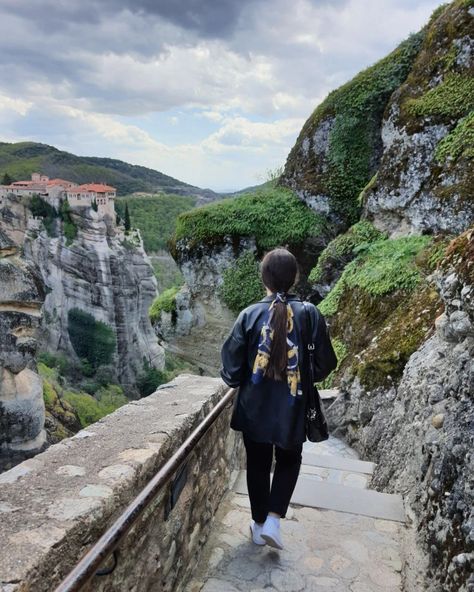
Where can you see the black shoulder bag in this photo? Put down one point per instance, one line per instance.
(316, 426)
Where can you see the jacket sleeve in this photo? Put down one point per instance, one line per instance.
(325, 360)
(234, 354)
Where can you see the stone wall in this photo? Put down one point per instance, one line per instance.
(55, 506)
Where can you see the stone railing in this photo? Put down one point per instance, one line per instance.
(55, 506)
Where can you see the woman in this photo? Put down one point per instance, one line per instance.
(263, 357)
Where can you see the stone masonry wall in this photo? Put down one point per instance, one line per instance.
(55, 506)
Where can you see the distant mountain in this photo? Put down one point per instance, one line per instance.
(23, 158)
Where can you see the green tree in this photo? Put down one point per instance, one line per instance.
(7, 180)
(127, 219)
(94, 205)
(92, 340)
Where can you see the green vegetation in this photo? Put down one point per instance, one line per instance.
(126, 218)
(6, 180)
(379, 268)
(42, 209)
(343, 247)
(452, 98)
(459, 143)
(90, 409)
(355, 110)
(242, 284)
(151, 378)
(92, 340)
(273, 216)
(341, 353)
(155, 216)
(69, 228)
(166, 302)
(23, 158)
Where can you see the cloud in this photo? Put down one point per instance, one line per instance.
(246, 72)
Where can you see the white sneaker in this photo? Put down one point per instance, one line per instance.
(271, 532)
(255, 530)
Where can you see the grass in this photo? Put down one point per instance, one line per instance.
(272, 216)
(165, 302)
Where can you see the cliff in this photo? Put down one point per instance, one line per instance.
(107, 278)
(396, 140)
(22, 410)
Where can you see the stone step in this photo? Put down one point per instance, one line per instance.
(360, 480)
(328, 461)
(341, 498)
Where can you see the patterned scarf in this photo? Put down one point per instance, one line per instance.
(265, 346)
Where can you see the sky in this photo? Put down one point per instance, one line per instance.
(212, 92)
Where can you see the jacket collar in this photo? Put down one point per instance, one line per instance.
(289, 297)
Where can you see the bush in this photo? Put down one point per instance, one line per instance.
(150, 380)
(166, 302)
(90, 409)
(242, 284)
(42, 209)
(92, 340)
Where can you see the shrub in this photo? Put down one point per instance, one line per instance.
(89, 409)
(242, 284)
(91, 339)
(166, 302)
(274, 216)
(150, 379)
(42, 209)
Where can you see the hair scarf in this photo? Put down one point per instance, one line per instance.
(265, 347)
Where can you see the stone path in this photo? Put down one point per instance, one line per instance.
(325, 550)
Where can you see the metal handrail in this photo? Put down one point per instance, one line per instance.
(85, 570)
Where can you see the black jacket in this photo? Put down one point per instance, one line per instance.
(267, 412)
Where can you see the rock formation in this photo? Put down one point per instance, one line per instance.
(21, 395)
(106, 275)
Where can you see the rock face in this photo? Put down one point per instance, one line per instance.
(397, 139)
(421, 433)
(22, 410)
(200, 321)
(107, 276)
(425, 179)
(340, 146)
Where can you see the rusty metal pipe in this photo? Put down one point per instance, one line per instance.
(85, 570)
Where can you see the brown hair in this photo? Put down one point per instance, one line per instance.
(278, 270)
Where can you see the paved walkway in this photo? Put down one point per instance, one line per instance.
(325, 550)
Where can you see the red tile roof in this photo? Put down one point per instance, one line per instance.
(96, 187)
(62, 182)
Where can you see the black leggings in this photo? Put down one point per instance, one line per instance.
(259, 463)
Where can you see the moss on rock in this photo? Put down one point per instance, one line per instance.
(382, 307)
(351, 118)
(272, 216)
(165, 302)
